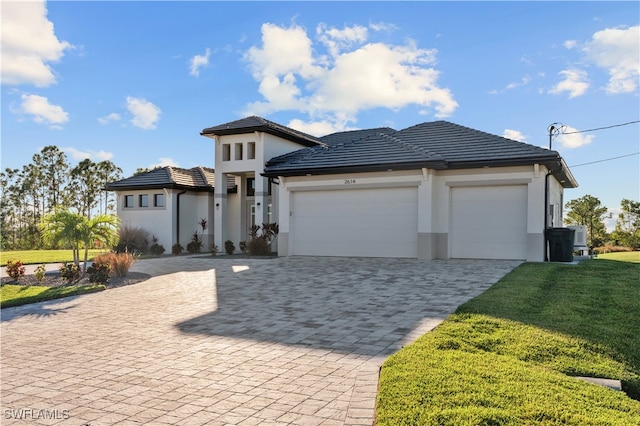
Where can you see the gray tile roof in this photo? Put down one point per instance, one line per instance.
(436, 145)
(352, 135)
(194, 179)
(259, 124)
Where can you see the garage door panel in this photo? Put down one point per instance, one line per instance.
(355, 222)
(489, 222)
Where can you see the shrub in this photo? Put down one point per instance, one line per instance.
(156, 249)
(176, 249)
(99, 272)
(70, 272)
(133, 240)
(195, 244)
(15, 269)
(243, 246)
(259, 247)
(213, 249)
(229, 248)
(119, 263)
(261, 239)
(39, 272)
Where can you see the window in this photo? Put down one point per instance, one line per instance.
(251, 151)
(238, 150)
(158, 200)
(143, 200)
(226, 152)
(128, 201)
(251, 187)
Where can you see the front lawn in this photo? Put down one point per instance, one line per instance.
(15, 295)
(30, 257)
(507, 356)
(624, 256)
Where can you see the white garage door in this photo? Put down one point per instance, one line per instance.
(489, 222)
(355, 222)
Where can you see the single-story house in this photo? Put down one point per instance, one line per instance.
(433, 190)
(168, 202)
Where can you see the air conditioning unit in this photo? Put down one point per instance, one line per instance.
(580, 237)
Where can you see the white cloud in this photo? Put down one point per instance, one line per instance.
(198, 62)
(92, 155)
(163, 162)
(575, 83)
(337, 40)
(574, 140)
(114, 116)
(515, 135)
(42, 111)
(570, 44)
(355, 75)
(318, 128)
(617, 50)
(514, 85)
(145, 113)
(29, 44)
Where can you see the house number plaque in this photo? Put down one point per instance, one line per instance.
(349, 181)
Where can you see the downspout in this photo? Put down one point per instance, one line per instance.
(178, 216)
(546, 215)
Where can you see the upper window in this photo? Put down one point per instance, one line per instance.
(158, 200)
(143, 200)
(128, 201)
(251, 151)
(226, 152)
(238, 152)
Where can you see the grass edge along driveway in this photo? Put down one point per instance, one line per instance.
(507, 356)
(16, 295)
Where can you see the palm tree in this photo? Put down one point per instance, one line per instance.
(63, 226)
(78, 231)
(102, 228)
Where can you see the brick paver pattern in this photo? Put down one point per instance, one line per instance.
(228, 341)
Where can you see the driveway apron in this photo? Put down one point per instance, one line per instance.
(233, 341)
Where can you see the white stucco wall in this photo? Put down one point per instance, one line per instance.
(155, 220)
(160, 221)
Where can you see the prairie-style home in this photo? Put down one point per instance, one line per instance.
(433, 190)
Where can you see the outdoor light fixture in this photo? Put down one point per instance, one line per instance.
(258, 204)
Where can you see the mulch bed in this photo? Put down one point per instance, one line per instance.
(53, 279)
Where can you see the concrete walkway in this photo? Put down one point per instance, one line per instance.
(227, 341)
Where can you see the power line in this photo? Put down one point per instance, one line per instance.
(606, 159)
(601, 128)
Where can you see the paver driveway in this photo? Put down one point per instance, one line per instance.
(228, 341)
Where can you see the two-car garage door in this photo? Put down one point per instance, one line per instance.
(486, 222)
(380, 222)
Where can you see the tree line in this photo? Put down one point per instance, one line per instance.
(46, 185)
(590, 212)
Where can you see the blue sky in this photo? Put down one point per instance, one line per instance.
(135, 82)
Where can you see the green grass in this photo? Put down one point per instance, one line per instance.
(29, 257)
(624, 256)
(16, 295)
(506, 357)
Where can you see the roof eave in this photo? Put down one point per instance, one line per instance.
(210, 132)
(149, 187)
(437, 165)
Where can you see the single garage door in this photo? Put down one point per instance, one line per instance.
(355, 222)
(489, 222)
